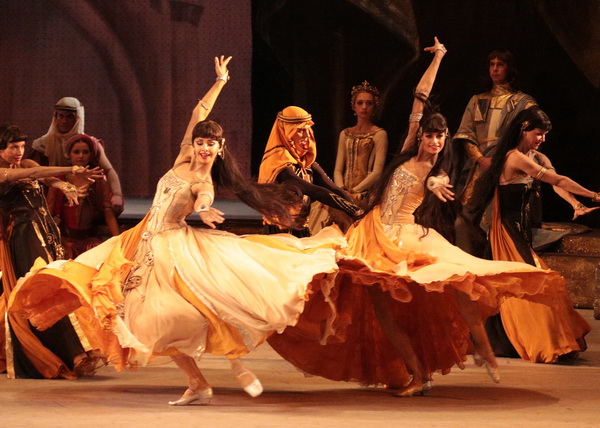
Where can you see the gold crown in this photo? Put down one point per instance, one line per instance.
(364, 87)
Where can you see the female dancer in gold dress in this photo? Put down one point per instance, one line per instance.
(166, 289)
(425, 300)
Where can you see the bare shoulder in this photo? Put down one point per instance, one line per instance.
(29, 163)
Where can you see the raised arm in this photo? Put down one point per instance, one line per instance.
(423, 90)
(204, 107)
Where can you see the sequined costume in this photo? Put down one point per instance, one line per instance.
(536, 333)
(29, 232)
(422, 272)
(164, 288)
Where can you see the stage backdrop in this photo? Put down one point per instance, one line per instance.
(314, 51)
(138, 67)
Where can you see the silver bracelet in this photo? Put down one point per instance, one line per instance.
(434, 182)
(415, 117)
(224, 77)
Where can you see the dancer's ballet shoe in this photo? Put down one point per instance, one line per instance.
(492, 372)
(204, 396)
(250, 383)
(422, 389)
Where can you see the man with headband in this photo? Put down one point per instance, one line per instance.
(68, 120)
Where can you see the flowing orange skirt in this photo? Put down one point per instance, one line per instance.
(422, 272)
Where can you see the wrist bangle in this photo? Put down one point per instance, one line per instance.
(224, 77)
(68, 187)
(434, 182)
(415, 117)
(77, 169)
(441, 48)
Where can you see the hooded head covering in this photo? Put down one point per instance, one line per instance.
(280, 153)
(54, 144)
(93, 143)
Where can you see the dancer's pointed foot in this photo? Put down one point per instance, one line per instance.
(489, 361)
(414, 388)
(189, 396)
(250, 383)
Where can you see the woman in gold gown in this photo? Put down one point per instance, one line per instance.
(360, 159)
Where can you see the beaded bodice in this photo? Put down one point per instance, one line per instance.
(402, 197)
(173, 202)
(359, 157)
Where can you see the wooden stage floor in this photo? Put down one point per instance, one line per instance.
(529, 395)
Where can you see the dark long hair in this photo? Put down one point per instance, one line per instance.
(525, 120)
(11, 134)
(273, 200)
(432, 212)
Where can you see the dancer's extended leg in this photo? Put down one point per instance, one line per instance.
(401, 342)
(198, 387)
(484, 353)
(247, 379)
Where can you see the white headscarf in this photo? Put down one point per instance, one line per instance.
(53, 144)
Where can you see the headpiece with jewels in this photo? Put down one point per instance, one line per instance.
(364, 87)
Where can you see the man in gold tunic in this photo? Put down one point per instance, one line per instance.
(482, 123)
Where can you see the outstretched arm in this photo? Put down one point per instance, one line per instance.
(517, 161)
(423, 90)
(578, 208)
(37, 172)
(204, 107)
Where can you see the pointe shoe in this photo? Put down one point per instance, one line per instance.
(492, 372)
(204, 396)
(250, 383)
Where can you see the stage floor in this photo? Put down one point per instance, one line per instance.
(529, 395)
